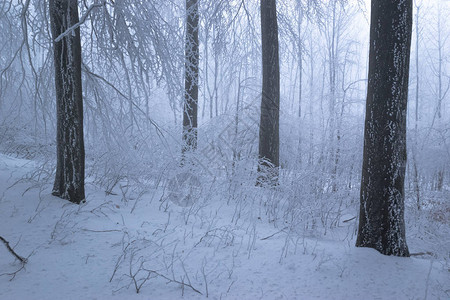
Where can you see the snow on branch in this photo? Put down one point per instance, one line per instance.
(82, 20)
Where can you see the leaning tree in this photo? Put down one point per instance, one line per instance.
(381, 220)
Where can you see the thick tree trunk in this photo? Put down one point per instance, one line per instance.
(381, 223)
(269, 136)
(191, 77)
(69, 181)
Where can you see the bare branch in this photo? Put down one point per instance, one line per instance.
(174, 280)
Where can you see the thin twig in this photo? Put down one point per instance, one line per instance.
(348, 220)
(13, 274)
(174, 280)
(109, 230)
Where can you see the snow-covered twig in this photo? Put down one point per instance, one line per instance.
(174, 280)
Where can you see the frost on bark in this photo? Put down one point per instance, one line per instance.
(190, 109)
(381, 223)
(269, 144)
(69, 180)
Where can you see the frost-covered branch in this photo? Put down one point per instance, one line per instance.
(82, 20)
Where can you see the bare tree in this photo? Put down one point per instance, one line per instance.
(442, 91)
(381, 220)
(416, 116)
(300, 57)
(190, 109)
(269, 136)
(69, 181)
(440, 45)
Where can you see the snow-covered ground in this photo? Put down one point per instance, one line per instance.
(113, 246)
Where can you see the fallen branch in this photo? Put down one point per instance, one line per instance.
(268, 237)
(422, 253)
(11, 250)
(110, 230)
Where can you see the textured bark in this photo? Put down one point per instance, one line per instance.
(381, 223)
(269, 137)
(69, 180)
(190, 109)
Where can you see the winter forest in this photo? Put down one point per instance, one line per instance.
(225, 149)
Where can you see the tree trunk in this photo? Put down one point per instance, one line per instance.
(300, 83)
(300, 58)
(416, 119)
(439, 41)
(311, 99)
(205, 68)
(269, 137)
(69, 180)
(416, 123)
(191, 78)
(381, 223)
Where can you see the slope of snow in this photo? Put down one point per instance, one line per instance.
(108, 247)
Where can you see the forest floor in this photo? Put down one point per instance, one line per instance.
(146, 247)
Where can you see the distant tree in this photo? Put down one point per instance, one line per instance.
(440, 38)
(381, 220)
(300, 56)
(440, 41)
(190, 109)
(338, 51)
(269, 136)
(415, 169)
(69, 181)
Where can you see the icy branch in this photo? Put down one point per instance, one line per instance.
(82, 20)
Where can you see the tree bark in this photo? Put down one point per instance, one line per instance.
(190, 109)
(69, 180)
(381, 222)
(269, 144)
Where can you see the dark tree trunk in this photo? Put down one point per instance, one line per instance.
(381, 221)
(269, 137)
(69, 181)
(190, 109)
